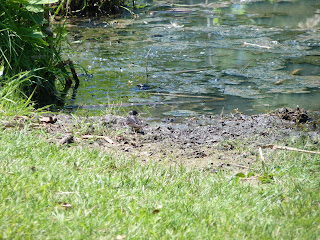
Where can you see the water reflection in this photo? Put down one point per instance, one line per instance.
(311, 22)
(244, 53)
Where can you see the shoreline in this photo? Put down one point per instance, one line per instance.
(211, 143)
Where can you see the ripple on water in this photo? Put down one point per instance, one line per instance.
(244, 53)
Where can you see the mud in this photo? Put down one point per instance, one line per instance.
(208, 143)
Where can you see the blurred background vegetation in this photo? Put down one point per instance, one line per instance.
(89, 7)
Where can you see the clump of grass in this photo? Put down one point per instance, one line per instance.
(61, 192)
(12, 100)
(27, 44)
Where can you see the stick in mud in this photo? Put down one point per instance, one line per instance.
(289, 149)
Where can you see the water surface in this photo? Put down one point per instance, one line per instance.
(191, 52)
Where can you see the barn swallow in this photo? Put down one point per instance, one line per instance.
(133, 122)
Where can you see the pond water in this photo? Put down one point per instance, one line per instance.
(202, 57)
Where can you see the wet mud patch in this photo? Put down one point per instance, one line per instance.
(215, 143)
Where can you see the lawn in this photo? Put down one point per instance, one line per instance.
(50, 191)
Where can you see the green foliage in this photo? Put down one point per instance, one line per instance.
(13, 101)
(88, 7)
(27, 43)
(23, 42)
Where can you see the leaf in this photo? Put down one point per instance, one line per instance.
(20, 1)
(32, 34)
(36, 34)
(237, 179)
(155, 211)
(241, 175)
(35, 8)
(250, 174)
(121, 237)
(267, 178)
(43, 1)
(64, 205)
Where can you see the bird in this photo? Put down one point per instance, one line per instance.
(133, 122)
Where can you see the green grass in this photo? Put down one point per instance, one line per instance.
(110, 195)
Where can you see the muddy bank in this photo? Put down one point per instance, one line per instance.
(208, 143)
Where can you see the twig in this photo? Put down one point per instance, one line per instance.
(256, 45)
(183, 95)
(261, 154)
(68, 229)
(147, 57)
(74, 74)
(191, 70)
(66, 192)
(289, 149)
(221, 114)
(240, 166)
(295, 72)
(131, 12)
(279, 82)
(249, 178)
(95, 136)
(8, 124)
(19, 117)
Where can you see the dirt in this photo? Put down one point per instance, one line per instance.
(208, 143)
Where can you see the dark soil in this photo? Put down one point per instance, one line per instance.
(208, 143)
